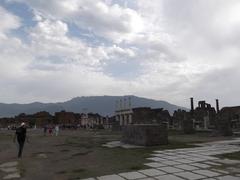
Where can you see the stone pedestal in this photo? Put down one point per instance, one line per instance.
(145, 134)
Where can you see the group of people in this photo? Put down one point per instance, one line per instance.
(51, 130)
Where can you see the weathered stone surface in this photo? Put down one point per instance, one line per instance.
(9, 164)
(9, 169)
(190, 175)
(169, 177)
(145, 134)
(152, 172)
(132, 175)
(42, 155)
(12, 176)
(110, 177)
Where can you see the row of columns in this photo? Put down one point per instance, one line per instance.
(124, 119)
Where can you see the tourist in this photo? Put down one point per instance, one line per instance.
(21, 136)
(45, 130)
(56, 130)
(50, 130)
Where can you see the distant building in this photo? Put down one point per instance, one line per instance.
(142, 115)
(65, 118)
(42, 118)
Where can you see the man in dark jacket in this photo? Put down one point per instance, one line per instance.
(21, 136)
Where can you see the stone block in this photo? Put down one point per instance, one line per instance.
(145, 134)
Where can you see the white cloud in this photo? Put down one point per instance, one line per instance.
(110, 21)
(8, 21)
(183, 49)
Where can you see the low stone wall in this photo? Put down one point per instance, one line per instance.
(145, 134)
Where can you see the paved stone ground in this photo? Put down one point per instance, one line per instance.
(187, 164)
(10, 170)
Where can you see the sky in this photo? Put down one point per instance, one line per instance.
(54, 50)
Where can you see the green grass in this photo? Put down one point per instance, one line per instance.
(233, 156)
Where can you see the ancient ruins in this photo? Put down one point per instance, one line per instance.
(203, 117)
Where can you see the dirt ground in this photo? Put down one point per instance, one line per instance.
(79, 154)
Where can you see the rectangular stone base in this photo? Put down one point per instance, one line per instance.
(145, 134)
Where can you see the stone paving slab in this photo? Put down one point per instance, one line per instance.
(9, 169)
(201, 165)
(170, 157)
(227, 161)
(168, 177)
(185, 161)
(155, 164)
(207, 173)
(132, 175)
(15, 175)
(212, 163)
(228, 178)
(171, 154)
(184, 156)
(220, 171)
(110, 177)
(171, 163)
(152, 172)
(9, 164)
(157, 159)
(158, 151)
(196, 159)
(159, 155)
(170, 169)
(190, 175)
(187, 167)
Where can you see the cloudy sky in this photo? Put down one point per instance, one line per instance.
(53, 50)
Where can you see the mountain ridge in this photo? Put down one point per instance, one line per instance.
(104, 105)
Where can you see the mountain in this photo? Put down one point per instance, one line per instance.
(104, 105)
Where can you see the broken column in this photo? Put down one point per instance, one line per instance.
(217, 105)
(192, 105)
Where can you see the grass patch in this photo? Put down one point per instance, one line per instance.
(78, 170)
(81, 153)
(64, 150)
(233, 156)
(137, 167)
(21, 169)
(62, 172)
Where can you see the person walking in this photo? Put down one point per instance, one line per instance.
(45, 130)
(50, 130)
(21, 136)
(56, 130)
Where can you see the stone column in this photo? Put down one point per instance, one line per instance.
(126, 119)
(217, 105)
(130, 118)
(192, 105)
(121, 120)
